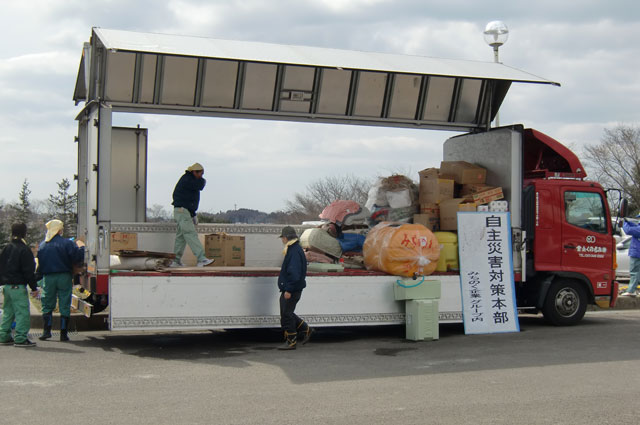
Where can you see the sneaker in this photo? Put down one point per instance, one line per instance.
(9, 342)
(176, 263)
(627, 294)
(25, 343)
(205, 262)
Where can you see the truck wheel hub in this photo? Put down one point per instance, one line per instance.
(567, 302)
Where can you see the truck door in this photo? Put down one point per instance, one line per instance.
(128, 175)
(587, 245)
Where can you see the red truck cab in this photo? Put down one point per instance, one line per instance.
(570, 243)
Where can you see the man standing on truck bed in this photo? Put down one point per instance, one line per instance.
(186, 198)
(17, 269)
(56, 257)
(291, 282)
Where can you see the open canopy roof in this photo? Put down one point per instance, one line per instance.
(157, 73)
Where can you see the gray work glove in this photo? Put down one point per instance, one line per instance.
(195, 220)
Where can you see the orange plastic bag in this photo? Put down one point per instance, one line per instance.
(401, 249)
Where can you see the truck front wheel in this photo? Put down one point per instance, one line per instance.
(565, 304)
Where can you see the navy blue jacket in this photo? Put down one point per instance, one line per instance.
(187, 192)
(58, 256)
(17, 265)
(293, 270)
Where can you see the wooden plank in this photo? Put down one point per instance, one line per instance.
(136, 253)
(234, 269)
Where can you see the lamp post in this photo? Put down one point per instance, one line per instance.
(496, 34)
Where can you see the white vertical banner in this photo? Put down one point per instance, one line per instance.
(486, 273)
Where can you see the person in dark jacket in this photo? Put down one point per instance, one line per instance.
(186, 198)
(17, 270)
(633, 229)
(56, 257)
(291, 282)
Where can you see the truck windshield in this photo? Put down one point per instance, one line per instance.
(586, 210)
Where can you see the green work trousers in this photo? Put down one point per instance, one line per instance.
(57, 287)
(186, 235)
(15, 307)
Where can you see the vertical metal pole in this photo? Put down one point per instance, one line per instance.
(496, 60)
(104, 187)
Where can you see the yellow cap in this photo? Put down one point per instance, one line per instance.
(196, 167)
(53, 228)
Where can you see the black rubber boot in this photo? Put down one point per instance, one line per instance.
(290, 341)
(47, 319)
(304, 332)
(64, 327)
(306, 335)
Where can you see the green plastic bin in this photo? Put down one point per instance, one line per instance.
(422, 320)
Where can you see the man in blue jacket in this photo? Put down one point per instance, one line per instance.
(17, 268)
(633, 229)
(291, 282)
(186, 198)
(56, 257)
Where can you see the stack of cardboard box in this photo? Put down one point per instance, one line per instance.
(434, 188)
(455, 186)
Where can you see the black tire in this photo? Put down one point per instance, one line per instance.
(565, 304)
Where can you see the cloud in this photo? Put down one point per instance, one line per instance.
(592, 50)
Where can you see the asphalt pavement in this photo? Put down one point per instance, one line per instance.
(587, 374)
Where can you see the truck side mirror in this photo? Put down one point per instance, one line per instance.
(624, 208)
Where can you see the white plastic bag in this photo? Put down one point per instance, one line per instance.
(376, 197)
(399, 199)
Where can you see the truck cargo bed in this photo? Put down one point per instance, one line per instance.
(213, 299)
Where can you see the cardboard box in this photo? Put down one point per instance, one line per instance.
(467, 189)
(225, 249)
(123, 241)
(429, 209)
(449, 212)
(433, 187)
(485, 196)
(430, 221)
(468, 206)
(463, 172)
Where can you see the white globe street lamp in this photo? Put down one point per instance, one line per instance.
(496, 34)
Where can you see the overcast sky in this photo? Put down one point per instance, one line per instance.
(591, 47)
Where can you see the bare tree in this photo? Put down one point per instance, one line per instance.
(324, 191)
(157, 213)
(615, 161)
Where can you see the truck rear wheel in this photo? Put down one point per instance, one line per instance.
(565, 304)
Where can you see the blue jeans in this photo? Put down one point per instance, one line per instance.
(634, 269)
